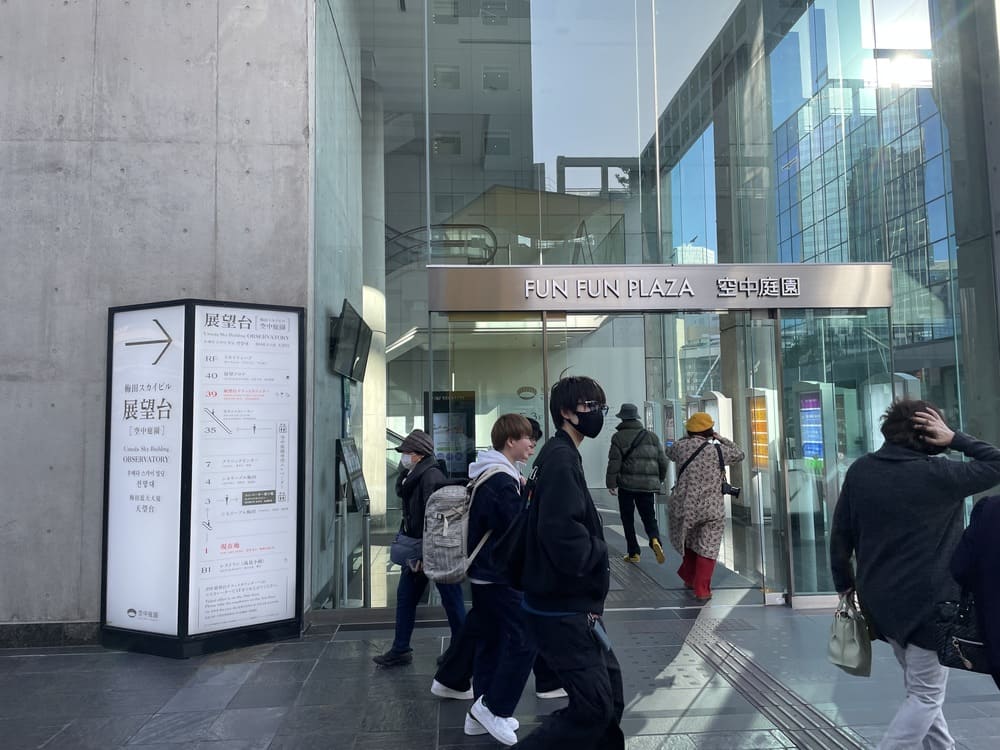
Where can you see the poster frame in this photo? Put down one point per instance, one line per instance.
(184, 645)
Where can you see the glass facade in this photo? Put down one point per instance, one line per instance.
(580, 132)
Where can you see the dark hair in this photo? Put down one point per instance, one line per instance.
(509, 427)
(898, 427)
(568, 392)
(536, 429)
(704, 433)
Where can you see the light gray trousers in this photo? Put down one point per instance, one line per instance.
(919, 722)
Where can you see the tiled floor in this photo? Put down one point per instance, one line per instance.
(323, 691)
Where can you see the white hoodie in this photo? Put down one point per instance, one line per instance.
(488, 458)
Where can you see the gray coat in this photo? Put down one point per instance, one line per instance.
(900, 514)
(646, 466)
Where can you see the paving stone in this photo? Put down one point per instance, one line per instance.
(280, 694)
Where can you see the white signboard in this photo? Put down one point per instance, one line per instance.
(244, 478)
(144, 469)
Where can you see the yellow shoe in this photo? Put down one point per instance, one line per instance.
(658, 551)
(631, 558)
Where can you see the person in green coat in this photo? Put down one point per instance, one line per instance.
(637, 467)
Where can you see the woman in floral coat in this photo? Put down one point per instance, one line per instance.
(697, 512)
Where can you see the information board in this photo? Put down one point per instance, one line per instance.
(145, 434)
(244, 468)
(453, 429)
(355, 476)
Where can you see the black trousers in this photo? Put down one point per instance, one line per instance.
(456, 669)
(592, 679)
(628, 503)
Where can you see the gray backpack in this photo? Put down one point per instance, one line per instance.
(446, 530)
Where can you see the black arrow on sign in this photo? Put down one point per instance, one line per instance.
(166, 342)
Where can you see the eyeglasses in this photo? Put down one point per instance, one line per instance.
(594, 406)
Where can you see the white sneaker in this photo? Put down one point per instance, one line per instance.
(557, 693)
(443, 691)
(498, 727)
(474, 728)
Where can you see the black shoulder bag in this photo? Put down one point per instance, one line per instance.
(959, 642)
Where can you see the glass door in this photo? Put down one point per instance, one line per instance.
(836, 383)
(672, 365)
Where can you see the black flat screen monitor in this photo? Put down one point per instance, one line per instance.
(349, 344)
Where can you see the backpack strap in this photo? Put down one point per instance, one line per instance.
(474, 484)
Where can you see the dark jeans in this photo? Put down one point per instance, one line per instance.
(456, 669)
(504, 650)
(411, 587)
(592, 678)
(628, 502)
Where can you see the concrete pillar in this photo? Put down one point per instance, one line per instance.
(967, 87)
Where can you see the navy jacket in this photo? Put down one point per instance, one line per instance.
(497, 501)
(900, 513)
(566, 561)
(976, 567)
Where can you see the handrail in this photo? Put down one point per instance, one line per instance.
(440, 237)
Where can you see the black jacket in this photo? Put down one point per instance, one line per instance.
(566, 562)
(976, 567)
(413, 488)
(900, 513)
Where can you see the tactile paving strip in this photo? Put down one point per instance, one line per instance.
(807, 727)
(638, 589)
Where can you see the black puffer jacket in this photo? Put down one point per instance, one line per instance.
(645, 467)
(413, 488)
(900, 513)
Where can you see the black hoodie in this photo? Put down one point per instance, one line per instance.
(566, 561)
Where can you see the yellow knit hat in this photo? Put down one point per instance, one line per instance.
(699, 422)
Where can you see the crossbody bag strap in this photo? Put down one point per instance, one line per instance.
(691, 458)
(634, 445)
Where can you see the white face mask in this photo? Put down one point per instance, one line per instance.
(406, 460)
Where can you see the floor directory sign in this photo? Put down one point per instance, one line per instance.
(203, 476)
(145, 433)
(244, 458)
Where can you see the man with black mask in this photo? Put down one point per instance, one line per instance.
(900, 515)
(566, 579)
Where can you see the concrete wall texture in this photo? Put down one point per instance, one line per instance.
(149, 150)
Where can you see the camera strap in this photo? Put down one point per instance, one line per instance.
(722, 465)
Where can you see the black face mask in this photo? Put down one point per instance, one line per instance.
(590, 424)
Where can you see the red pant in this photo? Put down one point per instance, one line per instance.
(696, 572)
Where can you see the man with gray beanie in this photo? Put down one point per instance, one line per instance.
(637, 467)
